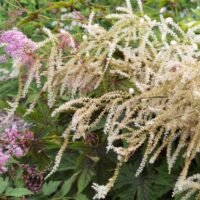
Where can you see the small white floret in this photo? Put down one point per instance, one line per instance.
(163, 9)
(131, 90)
(101, 190)
(169, 20)
(173, 42)
(85, 37)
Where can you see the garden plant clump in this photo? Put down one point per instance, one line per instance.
(100, 103)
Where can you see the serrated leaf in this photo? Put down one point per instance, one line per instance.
(8, 88)
(151, 184)
(17, 192)
(84, 179)
(67, 162)
(50, 187)
(67, 186)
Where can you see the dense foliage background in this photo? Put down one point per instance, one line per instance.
(86, 161)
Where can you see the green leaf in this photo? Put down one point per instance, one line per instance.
(67, 186)
(3, 184)
(68, 162)
(26, 2)
(81, 197)
(100, 125)
(57, 5)
(17, 192)
(152, 184)
(84, 179)
(8, 88)
(50, 187)
(79, 145)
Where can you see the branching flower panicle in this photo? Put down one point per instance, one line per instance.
(159, 58)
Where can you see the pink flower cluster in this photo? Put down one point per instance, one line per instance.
(66, 40)
(13, 144)
(18, 46)
(3, 59)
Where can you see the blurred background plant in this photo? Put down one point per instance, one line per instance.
(86, 161)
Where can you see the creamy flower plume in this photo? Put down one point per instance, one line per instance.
(161, 109)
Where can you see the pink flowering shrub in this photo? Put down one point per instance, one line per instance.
(14, 144)
(18, 45)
